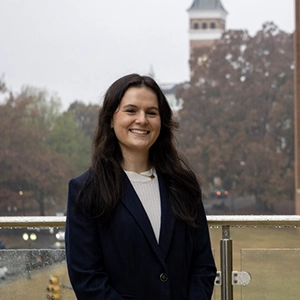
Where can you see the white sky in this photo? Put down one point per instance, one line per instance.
(77, 48)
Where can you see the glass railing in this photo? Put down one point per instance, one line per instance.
(258, 257)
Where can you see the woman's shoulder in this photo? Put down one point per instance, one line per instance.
(82, 178)
(77, 185)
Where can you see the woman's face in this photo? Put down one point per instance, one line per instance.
(136, 121)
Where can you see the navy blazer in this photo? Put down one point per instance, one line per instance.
(122, 259)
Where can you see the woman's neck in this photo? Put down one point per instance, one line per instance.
(136, 163)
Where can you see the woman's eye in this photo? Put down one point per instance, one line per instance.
(131, 111)
(152, 113)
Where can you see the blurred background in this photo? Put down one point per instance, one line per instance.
(227, 68)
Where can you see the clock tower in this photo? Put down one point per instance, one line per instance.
(207, 22)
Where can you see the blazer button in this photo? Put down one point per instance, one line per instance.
(163, 277)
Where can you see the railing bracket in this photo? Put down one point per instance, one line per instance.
(238, 278)
(218, 278)
(241, 278)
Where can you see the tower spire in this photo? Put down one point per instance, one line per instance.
(207, 5)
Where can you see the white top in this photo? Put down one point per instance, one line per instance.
(147, 190)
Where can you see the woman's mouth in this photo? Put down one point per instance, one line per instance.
(139, 131)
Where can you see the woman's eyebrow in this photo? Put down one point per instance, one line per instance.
(135, 106)
(129, 105)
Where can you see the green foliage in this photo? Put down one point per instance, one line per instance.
(40, 150)
(86, 117)
(67, 139)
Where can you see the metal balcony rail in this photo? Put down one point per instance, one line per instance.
(24, 222)
(220, 220)
(226, 277)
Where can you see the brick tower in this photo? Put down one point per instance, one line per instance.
(207, 22)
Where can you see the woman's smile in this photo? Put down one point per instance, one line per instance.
(139, 132)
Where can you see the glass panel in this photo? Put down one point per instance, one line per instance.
(35, 238)
(26, 274)
(275, 273)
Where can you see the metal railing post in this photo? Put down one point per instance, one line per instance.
(226, 264)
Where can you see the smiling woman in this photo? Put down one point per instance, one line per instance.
(136, 227)
(136, 124)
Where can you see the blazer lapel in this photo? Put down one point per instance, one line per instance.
(134, 206)
(167, 217)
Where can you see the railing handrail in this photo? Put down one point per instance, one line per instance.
(254, 220)
(32, 221)
(213, 220)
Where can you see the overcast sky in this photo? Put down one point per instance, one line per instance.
(77, 48)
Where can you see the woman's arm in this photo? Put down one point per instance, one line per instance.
(203, 266)
(83, 253)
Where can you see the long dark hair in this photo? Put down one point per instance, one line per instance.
(101, 194)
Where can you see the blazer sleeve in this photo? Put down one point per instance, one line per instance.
(83, 253)
(203, 265)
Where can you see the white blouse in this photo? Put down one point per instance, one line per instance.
(147, 189)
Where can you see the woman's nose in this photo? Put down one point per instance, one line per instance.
(141, 118)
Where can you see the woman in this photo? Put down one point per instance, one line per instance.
(136, 227)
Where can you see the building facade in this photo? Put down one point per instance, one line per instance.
(207, 22)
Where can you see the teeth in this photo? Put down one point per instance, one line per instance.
(139, 131)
